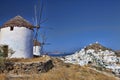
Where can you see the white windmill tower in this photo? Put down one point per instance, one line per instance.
(17, 34)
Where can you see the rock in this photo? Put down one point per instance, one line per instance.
(47, 66)
(27, 68)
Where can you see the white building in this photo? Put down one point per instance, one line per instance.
(17, 33)
(36, 48)
(97, 55)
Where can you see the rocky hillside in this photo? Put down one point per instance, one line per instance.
(118, 53)
(96, 46)
(26, 66)
(96, 55)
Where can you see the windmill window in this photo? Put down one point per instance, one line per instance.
(11, 28)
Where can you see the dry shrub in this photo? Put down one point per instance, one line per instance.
(2, 64)
(74, 72)
(40, 59)
(3, 77)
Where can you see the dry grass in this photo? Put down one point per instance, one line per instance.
(3, 77)
(40, 59)
(63, 71)
(74, 72)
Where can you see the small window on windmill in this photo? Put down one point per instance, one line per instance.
(11, 28)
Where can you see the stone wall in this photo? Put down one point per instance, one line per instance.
(26, 67)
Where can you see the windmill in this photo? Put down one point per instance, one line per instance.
(43, 42)
(38, 21)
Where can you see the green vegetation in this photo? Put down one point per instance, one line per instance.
(2, 64)
(4, 51)
(1, 54)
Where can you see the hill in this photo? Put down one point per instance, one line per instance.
(96, 55)
(97, 46)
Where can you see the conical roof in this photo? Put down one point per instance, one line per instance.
(97, 46)
(36, 43)
(18, 21)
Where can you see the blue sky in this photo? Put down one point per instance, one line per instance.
(75, 23)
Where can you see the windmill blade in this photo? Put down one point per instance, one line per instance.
(36, 34)
(33, 20)
(43, 38)
(44, 21)
(41, 11)
(47, 43)
(43, 42)
(36, 21)
(41, 51)
(46, 28)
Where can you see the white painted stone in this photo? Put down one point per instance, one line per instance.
(106, 59)
(19, 40)
(36, 50)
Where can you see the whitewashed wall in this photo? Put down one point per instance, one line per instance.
(20, 40)
(36, 50)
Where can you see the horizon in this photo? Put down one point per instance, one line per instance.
(75, 23)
